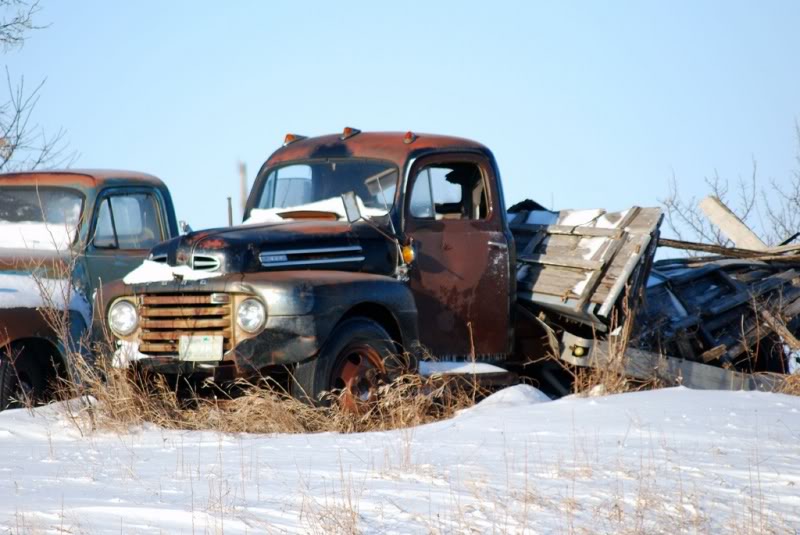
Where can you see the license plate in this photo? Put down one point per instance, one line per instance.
(200, 347)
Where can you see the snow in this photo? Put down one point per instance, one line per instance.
(37, 236)
(23, 290)
(666, 461)
(334, 204)
(428, 368)
(150, 271)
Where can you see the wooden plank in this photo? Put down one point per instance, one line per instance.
(568, 230)
(607, 259)
(726, 252)
(646, 365)
(740, 234)
(562, 261)
(754, 291)
(535, 240)
(780, 329)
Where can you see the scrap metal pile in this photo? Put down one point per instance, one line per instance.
(707, 321)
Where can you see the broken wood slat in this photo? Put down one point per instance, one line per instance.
(730, 225)
(727, 252)
(561, 261)
(567, 230)
(754, 291)
(535, 240)
(646, 365)
(713, 354)
(780, 329)
(607, 259)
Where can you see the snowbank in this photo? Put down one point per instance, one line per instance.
(666, 461)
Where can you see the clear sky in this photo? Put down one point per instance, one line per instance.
(592, 104)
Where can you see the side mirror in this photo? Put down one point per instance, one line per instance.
(184, 227)
(351, 208)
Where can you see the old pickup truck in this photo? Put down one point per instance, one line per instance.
(360, 247)
(63, 234)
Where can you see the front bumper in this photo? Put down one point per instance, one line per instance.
(284, 340)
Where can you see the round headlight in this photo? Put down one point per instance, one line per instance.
(250, 315)
(122, 318)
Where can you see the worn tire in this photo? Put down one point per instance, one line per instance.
(19, 379)
(355, 339)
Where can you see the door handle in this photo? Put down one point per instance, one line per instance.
(498, 245)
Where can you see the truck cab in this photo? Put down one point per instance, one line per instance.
(426, 268)
(63, 234)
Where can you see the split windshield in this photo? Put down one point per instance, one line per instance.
(318, 187)
(39, 218)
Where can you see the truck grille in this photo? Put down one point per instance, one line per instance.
(167, 317)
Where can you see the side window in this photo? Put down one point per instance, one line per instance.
(128, 221)
(449, 191)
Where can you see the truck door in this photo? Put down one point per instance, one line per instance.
(461, 274)
(126, 224)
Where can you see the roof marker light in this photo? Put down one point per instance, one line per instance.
(410, 137)
(291, 138)
(348, 132)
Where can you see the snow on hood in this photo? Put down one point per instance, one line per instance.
(22, 290)
(37, 236)
(151, 271)
(334, 204)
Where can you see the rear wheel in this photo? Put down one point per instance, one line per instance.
(357, 358)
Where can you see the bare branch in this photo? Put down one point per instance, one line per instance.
(17, 21)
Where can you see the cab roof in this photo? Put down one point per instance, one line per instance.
(81, 178)
(380, 145)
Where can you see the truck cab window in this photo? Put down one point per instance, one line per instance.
(128, 222)
(449, 191)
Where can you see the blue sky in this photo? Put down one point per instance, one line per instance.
(584, 104)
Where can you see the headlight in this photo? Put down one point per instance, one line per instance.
(122, 318)
(250, 315)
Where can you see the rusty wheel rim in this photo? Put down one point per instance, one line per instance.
(359, 372)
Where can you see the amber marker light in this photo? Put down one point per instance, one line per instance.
(410, 137)
(291, 138)
(408, 254)
(349, 132)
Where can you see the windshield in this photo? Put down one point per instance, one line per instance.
(39, 218)
(317, 187)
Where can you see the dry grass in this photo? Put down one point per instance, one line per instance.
(123, 398)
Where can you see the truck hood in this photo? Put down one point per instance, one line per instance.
(289, 245)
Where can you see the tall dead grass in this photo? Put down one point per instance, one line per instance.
(118, 399)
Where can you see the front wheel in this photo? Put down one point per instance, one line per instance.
(357, 358)
(21, 382)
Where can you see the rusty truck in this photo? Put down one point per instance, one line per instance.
(62, 235)
(358, 248)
